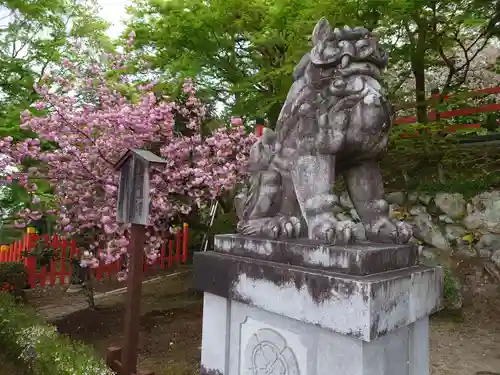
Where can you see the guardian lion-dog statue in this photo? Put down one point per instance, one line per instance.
(336, 120)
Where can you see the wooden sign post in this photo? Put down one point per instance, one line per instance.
(133, 207)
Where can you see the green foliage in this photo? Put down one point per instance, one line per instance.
(241, 53)
(26, 339)
(452, 290)
(431, 162)
(34, 40)
(14, 275)
(43, 253)
(14, 197)
(225, 223)
(431, 40)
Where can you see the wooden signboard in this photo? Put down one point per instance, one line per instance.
(133, 196)
(133, 207)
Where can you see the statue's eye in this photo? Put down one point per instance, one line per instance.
(362, 43)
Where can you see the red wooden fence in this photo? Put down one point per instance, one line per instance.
(491, 107)
(172, 252)
(447, 114)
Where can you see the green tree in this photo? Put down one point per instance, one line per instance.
(243, 52)
(34, 37)
(443, 35)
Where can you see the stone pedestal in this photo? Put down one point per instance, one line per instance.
(297, 307)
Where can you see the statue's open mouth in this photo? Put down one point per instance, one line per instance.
(350, 66)
(352, 81)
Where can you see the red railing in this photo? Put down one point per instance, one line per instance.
(455, 112)
(173, 252)
(432, 115)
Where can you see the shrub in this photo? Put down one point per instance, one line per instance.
(26, 339)
(13, 278)
(452, 291)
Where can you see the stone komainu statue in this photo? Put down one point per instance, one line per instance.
(336, 120)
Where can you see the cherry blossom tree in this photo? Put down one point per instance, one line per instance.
(89, 116)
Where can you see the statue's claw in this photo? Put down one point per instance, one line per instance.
(387, 231)
(283, 226)
(274, 227)
(333, 231)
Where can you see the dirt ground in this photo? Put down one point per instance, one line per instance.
(468, 344)
(170, 328)
(465, 344)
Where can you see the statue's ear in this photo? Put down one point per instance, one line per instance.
(321, 31)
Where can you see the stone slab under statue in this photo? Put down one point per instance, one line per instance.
(297, 291)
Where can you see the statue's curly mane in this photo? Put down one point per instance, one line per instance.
(327, 71)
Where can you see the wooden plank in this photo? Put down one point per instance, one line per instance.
(453, 113)
(471, 111)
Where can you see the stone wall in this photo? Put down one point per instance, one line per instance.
(447, 226)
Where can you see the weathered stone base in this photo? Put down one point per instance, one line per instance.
(237, 337)
(267, 315)
(363, 307)
(356, 259)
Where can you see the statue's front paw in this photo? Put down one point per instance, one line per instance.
(283, 226)
(274, 227)
(333, 231)
(387, 231)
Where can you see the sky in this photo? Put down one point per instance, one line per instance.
(114, 12)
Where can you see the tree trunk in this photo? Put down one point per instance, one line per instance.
(418, 51)
(419, 74)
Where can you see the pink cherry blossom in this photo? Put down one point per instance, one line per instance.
(39, 105)
(236, 121)
(94, 124)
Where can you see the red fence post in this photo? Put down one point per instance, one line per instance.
(19, 245)
(178, 240)
(185, 237)
(259, 129)
(170, 253)
(30, 262)
(3, 251)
